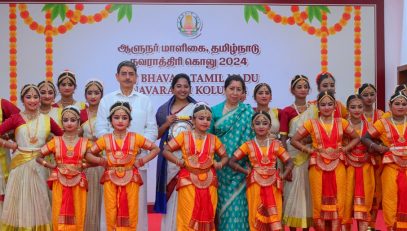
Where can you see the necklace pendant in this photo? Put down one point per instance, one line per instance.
(33, 140)
(69, 153)
(401, 139)
(119, 154)
(193, 160)
(265, 160)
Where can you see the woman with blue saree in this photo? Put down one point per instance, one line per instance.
(231, 122)
(172, 117)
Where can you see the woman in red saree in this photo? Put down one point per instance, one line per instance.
(264, 184)
(327, 173)
(197, 181)
(392, 132)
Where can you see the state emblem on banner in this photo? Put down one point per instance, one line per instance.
(189, 24)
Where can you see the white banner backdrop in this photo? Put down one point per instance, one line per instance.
(207, 42)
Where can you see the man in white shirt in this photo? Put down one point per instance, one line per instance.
(143, 123)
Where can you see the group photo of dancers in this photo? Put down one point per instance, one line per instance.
(316, 164)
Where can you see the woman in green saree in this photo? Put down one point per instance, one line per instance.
(231, 123)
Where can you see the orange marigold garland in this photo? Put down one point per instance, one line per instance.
(324, 43)
(357, 47)
(48, 47)
(299, 18)
(13, 52)
(74, 16)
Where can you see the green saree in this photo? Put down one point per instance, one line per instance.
(233, 129)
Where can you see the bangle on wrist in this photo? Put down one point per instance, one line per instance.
(140, 162)
(379, 146)
(43, 162)
(371, 145)
(179, 162)
(219, 164)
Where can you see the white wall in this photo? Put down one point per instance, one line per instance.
(393, 30)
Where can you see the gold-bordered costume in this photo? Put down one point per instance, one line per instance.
(121, 179)
(68, 183)
(327, 173)
(360, 182)
(166, 198)
(264, 186)
(378, 168)
(197, 182)
(297, 204)
(27, 205)
(394, 178)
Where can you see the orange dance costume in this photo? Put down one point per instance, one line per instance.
(264, 186)
(68, 183)
(197, 182)
(360, 181)
(394, 178)
(378, 168)
(327, 173)
(121, 179)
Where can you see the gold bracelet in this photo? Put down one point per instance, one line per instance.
(140, 162)
(101, 160)
(371, 145)
(178, 162)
